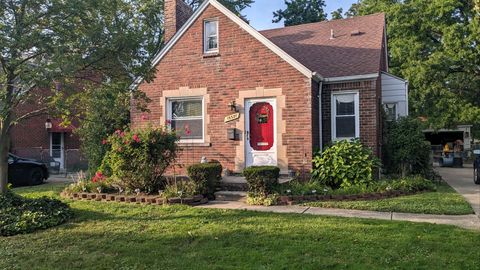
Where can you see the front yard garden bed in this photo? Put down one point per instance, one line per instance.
(290, 200)
(138, 199)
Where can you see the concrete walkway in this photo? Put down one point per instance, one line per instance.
(461, 179)
(464, 221)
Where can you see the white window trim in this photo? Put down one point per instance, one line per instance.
(334, 114)
(169, 116)
(205, 38)
(396, 107)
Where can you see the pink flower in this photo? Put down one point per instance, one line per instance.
(122, 134)
(118, 131)
(168, 122)
(99, 174)
(104, 141)
(144, 117)
(136, 138)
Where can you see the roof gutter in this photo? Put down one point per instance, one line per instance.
(351, 78)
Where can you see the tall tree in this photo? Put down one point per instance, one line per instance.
(337, 14)
(234, 5)
(69, 42)
(300, 12)
(434, 44)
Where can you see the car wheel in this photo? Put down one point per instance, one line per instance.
(476, 176)
(36, 177)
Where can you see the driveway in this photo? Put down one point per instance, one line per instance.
(461, 179)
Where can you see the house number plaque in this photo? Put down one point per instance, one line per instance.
(232, 117)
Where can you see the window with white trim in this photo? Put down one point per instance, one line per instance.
(345, 116)
(391, 111)
(185, 116)
(210, 39)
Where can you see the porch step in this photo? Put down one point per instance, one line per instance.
(234, 196)
(233, 183)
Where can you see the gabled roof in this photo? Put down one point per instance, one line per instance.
(346, 54)
(309, 48)
(245, 26)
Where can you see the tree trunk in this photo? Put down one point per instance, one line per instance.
(4, 148)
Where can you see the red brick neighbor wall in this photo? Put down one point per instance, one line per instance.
(370, 127)
(29, 138)
(243, 64)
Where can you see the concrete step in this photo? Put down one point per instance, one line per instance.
(231, 196)
(233, 186)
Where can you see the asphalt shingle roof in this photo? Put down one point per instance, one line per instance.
(345, 55)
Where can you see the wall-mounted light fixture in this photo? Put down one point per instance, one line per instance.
(233, 106)
(48, 124)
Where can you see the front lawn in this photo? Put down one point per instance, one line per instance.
(446, 201)
(122, 236)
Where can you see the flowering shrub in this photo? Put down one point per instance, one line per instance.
(99, 183)
(344, 164)
(137, 159)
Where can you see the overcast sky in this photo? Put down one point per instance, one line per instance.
(260, 13)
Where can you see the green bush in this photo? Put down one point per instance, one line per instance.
(345, 163)
(261, 199)
(407, 184)
(262, 179)
(138, 159)
(406, 152)
(206, 175)
(21, 215)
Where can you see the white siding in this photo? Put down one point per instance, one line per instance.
(395, 90)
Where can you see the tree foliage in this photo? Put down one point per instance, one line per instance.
(434, 44)
(337, 14)
(234, 5)
(70, 43)
(300, 12)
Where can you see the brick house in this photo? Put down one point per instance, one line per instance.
(35, 138)
(247, 97)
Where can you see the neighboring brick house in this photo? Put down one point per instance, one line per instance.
(35, 138)
(296, 89)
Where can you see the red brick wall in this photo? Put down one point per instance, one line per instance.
(370, 128)
(29, 136)
(243, 63)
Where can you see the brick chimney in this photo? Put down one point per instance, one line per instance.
(176, 13)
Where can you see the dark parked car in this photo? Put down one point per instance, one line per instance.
(25, 172)
(476, 167)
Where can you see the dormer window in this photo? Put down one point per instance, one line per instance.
(210, 36)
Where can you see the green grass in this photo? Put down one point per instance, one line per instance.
(445, 201)
(121, 236)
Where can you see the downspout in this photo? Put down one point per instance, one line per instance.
(319, 79)
(406, 98)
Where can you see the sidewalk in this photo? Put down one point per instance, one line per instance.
(464, 221)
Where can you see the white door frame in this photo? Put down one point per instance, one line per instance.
(254, 157)
(62, 149)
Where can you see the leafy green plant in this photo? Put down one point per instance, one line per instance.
(138, 159)
(406, 152)
(206, 175)
(21, 215)
(261, 179)
(344, 164)
(181, 189)
(296, 187)
(262, 199)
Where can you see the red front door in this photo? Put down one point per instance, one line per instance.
(260, 143)
(261, 126)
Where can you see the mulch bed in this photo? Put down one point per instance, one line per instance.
(140, 199)
(290, 200)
